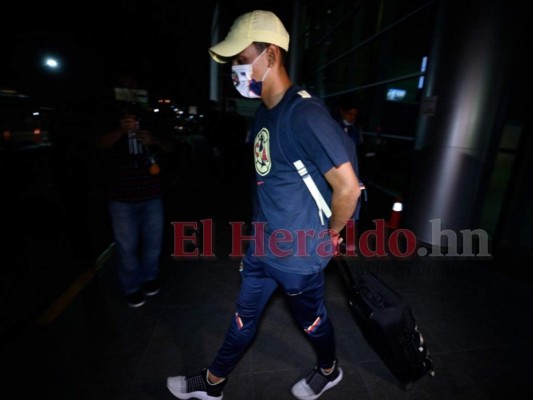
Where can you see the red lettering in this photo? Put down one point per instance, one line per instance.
(394, 246)
(301, 242)
(274, 239)
(379, 235)
(237, 238)
(207, 238)
(180, 238)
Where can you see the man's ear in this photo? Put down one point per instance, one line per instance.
(273, 54)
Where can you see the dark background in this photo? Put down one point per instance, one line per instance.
(157, 45)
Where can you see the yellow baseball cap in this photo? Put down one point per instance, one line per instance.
(255, 26)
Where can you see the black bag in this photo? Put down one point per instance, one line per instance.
(388, 325)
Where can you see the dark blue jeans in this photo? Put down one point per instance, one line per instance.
(305, 296)
(138, 233)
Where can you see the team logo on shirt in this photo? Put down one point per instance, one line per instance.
(263, 162)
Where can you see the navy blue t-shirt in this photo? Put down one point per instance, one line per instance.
(287, 216)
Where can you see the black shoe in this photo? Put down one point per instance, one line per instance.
(150, 288)
(135, 299)
(196, 386)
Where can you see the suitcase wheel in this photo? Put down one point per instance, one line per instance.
(421, 339)
(429, 365)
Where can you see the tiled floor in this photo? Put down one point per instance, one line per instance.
(477, 322)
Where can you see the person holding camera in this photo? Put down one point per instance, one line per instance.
(135, 205)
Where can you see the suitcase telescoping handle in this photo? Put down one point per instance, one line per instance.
(344, 269)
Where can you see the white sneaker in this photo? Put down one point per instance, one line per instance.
(196, 386)
(315, 383)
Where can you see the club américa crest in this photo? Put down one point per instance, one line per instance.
(262, 159)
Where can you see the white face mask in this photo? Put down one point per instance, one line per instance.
(242, 79)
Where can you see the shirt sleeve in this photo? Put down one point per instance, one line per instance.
(318, 135)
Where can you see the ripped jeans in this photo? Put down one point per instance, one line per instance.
(305, 296)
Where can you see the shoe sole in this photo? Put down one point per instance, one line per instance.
(136, 305)
(194, 395)
(327, 387)
(151, 293)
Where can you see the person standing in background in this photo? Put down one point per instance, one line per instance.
(348, 119)
(135, 204)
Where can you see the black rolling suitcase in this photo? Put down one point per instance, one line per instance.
(388, 325)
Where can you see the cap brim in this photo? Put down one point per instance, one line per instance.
(225, 50)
